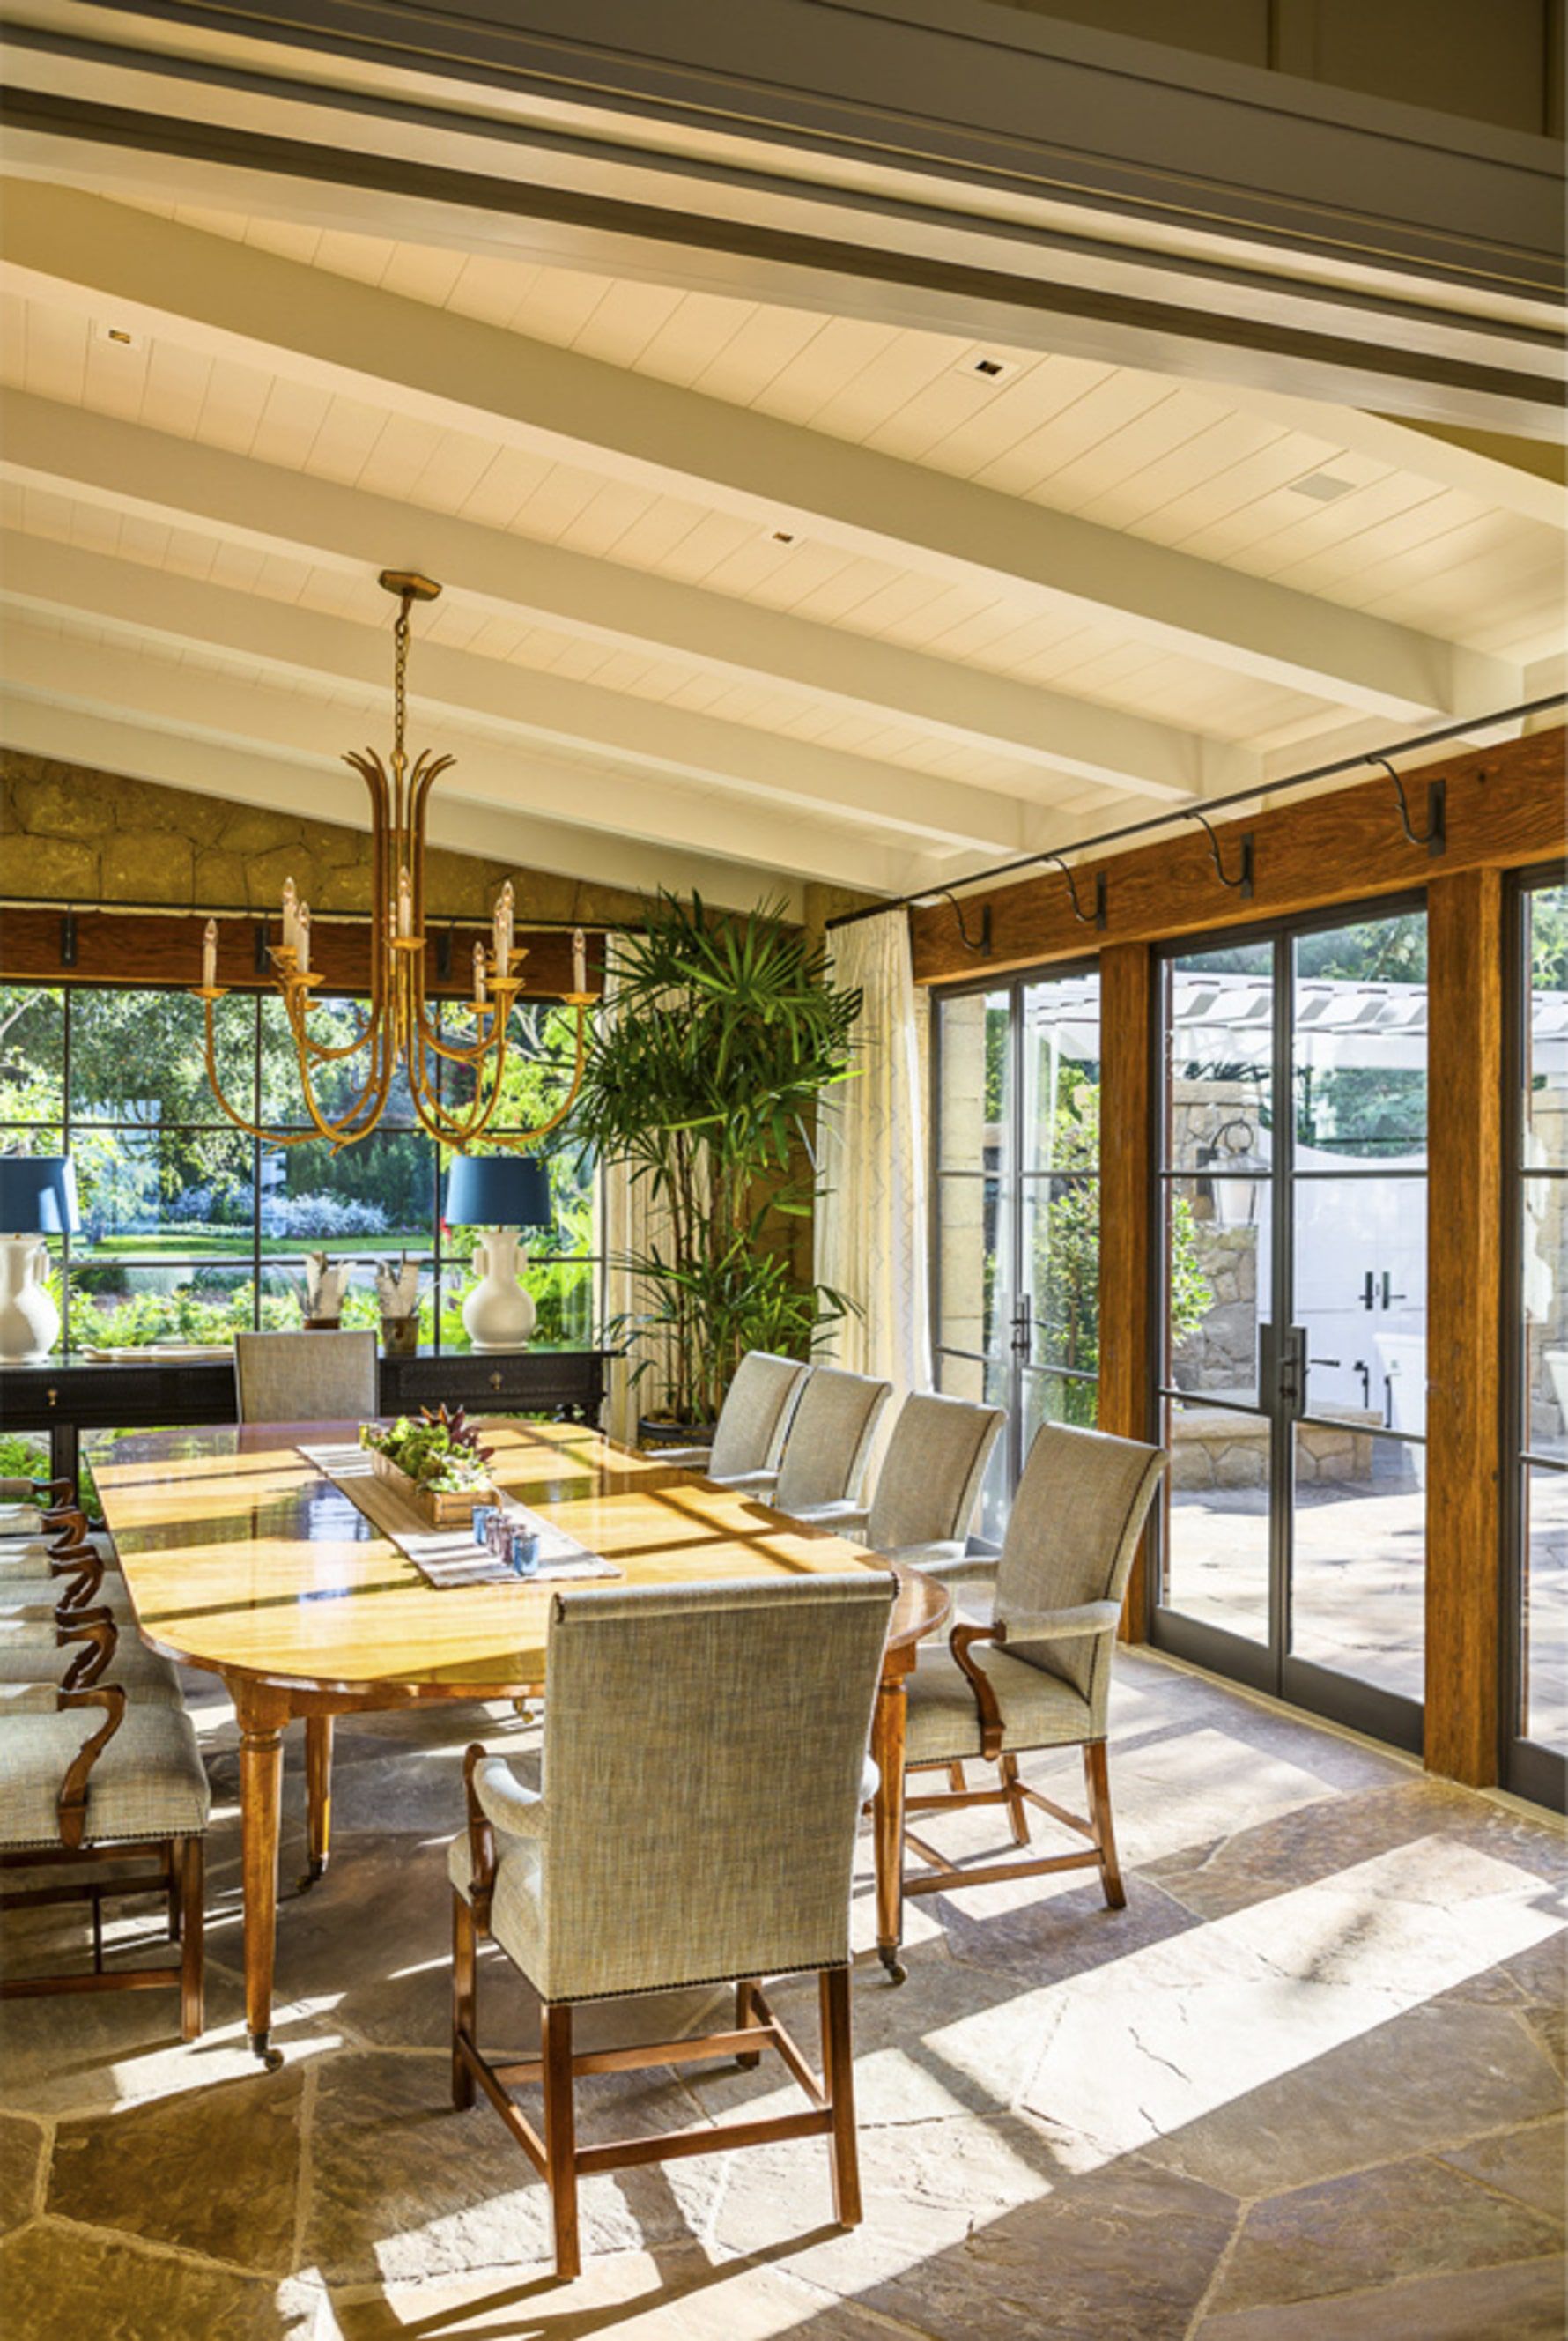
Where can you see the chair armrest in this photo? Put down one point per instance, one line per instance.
(1059, 1625)
(497, 1800)
(72, 1803)
(843, 1518)
(747, 1483)
(947, 1563)
(84, 1568)
(98, 1631)
(683, 1458)
(960, 1641)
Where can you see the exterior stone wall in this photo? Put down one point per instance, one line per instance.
(79, 836)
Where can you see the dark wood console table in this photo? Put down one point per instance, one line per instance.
(64, 1398)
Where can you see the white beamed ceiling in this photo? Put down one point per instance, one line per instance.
(873, 713)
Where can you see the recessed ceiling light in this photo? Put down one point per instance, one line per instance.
(122, 336)
(1322, 487)
(987, 366)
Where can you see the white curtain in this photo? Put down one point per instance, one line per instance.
(633, 1223)
(872, 1225)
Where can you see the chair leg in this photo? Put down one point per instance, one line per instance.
(1017, 1807)
(839, 2073)
(560, 2137)
(1097, 1781)
(189, 1856)
(465, 1998)
(745, 2019)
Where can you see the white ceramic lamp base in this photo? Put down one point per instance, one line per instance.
(498, 1314)
(29, 1321)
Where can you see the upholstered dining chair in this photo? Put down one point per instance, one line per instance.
(1038, 1675)
(306, 1377)
(753, 1421)
(830, 1442)
(928, 1485)
(636, 1870)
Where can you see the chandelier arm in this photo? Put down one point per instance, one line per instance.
(366, 1111)
(251, 1129)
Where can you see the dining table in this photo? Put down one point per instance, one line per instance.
(242, 1555)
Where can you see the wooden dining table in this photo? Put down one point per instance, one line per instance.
(241, 1557)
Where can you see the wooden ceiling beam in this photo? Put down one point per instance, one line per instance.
(550, 710)
(1504, 807)
(232, 300)
(97, 459)
(207, 703)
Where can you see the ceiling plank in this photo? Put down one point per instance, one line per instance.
(38, 662)
(141, 751)
(674, 741)
(100, 459)
(464, 375)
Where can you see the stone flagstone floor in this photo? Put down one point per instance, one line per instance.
(1308, 2087)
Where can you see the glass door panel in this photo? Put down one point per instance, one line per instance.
(1535, 1652)
(1215, 1548)
(1015, 1252)
(1358, 1547)
(1292, 1282)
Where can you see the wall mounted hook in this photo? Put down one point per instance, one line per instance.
(980, 944)
(1097, 917)
(1242, 882)
(1434, 836)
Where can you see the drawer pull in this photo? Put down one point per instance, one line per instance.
(495, 1381)
(54, 1397)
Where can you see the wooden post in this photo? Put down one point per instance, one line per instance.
(1127, 1217)
(1463, 1290)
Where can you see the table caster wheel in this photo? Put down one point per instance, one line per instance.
(309, 1877)
(271, 2060)
(897, 1971)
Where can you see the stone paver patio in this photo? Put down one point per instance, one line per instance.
(1308, 2085)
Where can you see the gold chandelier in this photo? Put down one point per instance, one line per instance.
(397, 1028)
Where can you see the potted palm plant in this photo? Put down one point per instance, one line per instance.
(705, 1080)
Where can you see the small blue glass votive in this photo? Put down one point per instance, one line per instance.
(482, 1516)
(523, 1552)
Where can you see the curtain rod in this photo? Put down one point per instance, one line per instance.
(263, 911)
(1203, 808)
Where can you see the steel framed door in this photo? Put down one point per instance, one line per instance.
(1290, 1382)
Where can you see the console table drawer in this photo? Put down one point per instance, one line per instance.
(525, 1380)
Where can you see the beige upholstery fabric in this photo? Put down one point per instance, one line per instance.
(704, 1755)
(31, 1556)
(753, 1421)
(306, 1377)
(1038, 1710)
(29, 1611)
(147, 1679)
(148, 1782)
(1063, 1568)
(829, 1440)
(929, 1482)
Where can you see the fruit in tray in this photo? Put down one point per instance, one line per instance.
(440, 1452)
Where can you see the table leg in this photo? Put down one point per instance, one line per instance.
(261, 1715)
(887, 1732)
(318, 1795)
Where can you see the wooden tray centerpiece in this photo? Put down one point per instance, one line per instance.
(436, 1463)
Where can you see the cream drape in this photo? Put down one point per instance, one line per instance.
(872, 1223)
(633, 1224)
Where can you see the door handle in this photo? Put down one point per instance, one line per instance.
(1282, 1367)
(1389, 1297)
(1023, 1331)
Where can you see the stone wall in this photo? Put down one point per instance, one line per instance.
(78, 836)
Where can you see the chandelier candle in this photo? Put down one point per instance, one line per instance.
(399, 1027)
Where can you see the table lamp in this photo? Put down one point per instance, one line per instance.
(501, 1193)
(37, 1198)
